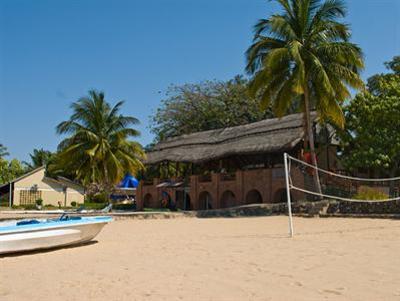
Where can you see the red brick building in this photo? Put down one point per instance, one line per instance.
(228, 167)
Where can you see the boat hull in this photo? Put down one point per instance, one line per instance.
(50, 235)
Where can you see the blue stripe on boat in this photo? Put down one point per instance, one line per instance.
(51, 223)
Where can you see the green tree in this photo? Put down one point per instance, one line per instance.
(98, 148)
(3, 151)
(205, 106)
(39, 157)
(371, 139)
(303, 55)
(9, 170)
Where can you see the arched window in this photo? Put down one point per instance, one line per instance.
(253, 197)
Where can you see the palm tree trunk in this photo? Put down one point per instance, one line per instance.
(305, 144)
(106, 182)
(310, 134)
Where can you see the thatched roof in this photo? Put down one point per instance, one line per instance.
(266, 136)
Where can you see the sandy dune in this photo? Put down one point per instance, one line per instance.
(216, 259)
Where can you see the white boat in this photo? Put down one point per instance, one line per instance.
(28, 235)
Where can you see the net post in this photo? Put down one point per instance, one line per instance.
(289, 203)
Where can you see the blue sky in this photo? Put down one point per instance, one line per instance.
(52, 52)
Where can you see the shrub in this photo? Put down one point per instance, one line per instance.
(97, 198)
(369, 193)
(39, 202)
(30, 207)
(73, 204)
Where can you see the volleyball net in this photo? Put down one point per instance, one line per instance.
(307, 182)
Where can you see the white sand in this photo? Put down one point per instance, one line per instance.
(216, 259)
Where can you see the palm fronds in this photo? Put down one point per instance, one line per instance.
(98, 147)
(305, 45)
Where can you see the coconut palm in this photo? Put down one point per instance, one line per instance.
(304, 55)
(98, 148)
(3, 151)
(39, 157)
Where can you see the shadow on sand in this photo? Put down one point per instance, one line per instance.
(33, 252)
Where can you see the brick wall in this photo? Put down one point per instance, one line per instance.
(221, 190)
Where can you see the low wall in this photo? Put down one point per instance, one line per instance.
(325, 208)
(300, 208)
(345, 207)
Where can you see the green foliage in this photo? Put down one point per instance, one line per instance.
(371, 139)
(56, 168)
(39, 157)
(98, 148)
(10, 170)
(3, 151)
(303, 55)
(29, 207)
(73, 204)
(97, 198)
(394, 65)
(369, 193)
(94, 206)
(39, 202)
(205, 106)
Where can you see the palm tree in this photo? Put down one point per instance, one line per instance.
(304, 55)
(39, 157)
(98, 148)
(3, 151)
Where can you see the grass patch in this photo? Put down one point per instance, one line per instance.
(94, 206)
(369, 193)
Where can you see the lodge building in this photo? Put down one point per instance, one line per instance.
(231, 166)
(34, 185)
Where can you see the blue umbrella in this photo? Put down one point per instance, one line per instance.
(129, 181)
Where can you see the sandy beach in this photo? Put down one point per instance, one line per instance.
(216, 259)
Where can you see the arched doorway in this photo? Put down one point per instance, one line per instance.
(183, 200)
(205, 201)
(228, 199)
(253, 197)
(148, 201)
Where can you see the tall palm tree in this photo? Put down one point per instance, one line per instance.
(3, 151)
(98, 148)
(304, 55)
